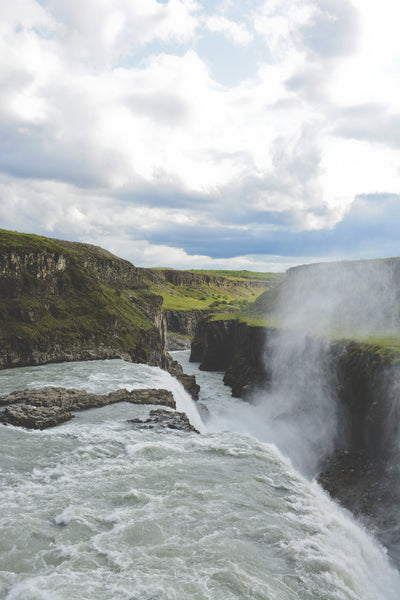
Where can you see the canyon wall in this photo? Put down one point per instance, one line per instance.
(68, 301)
(357, 382)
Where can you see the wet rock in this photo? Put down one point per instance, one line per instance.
(369, 488)
(34, 417)
(165, 419)
(47, 407)
(188, 381)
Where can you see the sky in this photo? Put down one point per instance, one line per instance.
(232, 134)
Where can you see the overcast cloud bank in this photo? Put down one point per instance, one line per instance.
(234, 134)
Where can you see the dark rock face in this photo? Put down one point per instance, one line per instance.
(369, 488)
(362, 472)
(47, 407)
(187, 381)
(184, 321)
(235, 348)
(165, 419)
(366, 380)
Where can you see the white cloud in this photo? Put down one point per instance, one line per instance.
(236, 32)
(149, 255)
(101, 31)
(83, 123)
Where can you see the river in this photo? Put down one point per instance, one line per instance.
(95, 509)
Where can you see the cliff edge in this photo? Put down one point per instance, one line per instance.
(63, 301)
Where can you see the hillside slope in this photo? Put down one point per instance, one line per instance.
(68, 301)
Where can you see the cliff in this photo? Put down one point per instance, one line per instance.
(359, 465)
(68, 301)
(236, 348)
(188, 296)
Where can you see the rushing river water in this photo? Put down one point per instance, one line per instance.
(96, 510)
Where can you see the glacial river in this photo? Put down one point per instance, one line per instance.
(97, 510)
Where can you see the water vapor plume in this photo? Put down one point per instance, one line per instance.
(346, 298)
(318, 304)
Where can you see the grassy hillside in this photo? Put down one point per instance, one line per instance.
(211, 290)
(56, 297)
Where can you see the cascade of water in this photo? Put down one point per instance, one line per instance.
(114, 512)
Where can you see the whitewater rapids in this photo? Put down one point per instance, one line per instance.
(96, 510)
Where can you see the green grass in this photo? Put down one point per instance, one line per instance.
(377, 341)
(26, 241)
(244, 275)
(203, 296)
(178, 302)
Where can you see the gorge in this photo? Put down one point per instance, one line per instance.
(315, 361)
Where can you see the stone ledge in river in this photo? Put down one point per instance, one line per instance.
(47, 407)
(187, 381)
(165, 419)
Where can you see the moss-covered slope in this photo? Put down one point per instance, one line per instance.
(68, 301)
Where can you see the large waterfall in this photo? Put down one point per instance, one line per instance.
(96, 509)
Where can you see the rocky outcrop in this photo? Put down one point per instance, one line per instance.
(233, 347)
(187, 381)
(176, 341)
(164, 419)
(181, 327)
(184, 321)
(47, 407)
(68, 301)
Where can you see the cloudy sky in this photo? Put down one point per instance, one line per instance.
(195, 133)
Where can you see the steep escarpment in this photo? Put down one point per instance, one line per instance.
(181, 327)
(234, 347)
(69, 301)
(203, 280)
(365, 377)
(359, 463)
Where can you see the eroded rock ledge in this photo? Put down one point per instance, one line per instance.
(47, 407)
